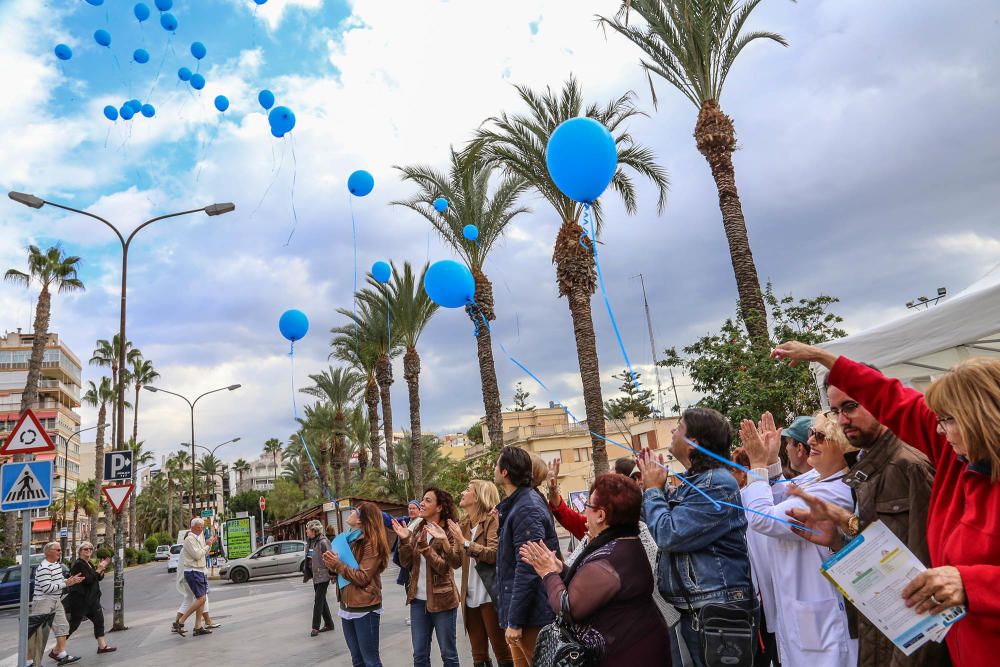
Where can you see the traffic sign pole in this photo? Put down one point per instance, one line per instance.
(22, 620)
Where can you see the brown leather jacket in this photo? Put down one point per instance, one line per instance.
(892, 484)
(442, 556)
(483, 548)
(365, 590)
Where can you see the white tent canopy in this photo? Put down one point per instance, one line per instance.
(924, 343)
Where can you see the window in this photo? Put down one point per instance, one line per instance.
(576, 455)
(271, 550)
(549, 457)
(292, 547)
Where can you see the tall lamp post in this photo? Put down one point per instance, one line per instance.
(191, 404)
(212, 209)
(211, 452)
(62, 523)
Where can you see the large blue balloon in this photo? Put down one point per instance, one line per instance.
(134, 105)
(221, 102)
(470, 232)
(281, 119)
(293, 325)
(197, 81)
(141, 56)
(110, 112)
(168, 21)
(184, 74)
(102, 37)
(141, 11)
(582, 159)
(148, 110)
(360, 183)
(96, 3)
(381, 271)
(440, 204)
(449, 284)
(126, 112)
(198, 50)
(266, 99)
(63, 52)
(164, 5)
(260, 2)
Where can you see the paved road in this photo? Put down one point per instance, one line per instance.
(264, 622)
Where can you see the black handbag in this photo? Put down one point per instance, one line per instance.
(563, 643)
(488, 574)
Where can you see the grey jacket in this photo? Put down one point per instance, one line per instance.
(319, 545)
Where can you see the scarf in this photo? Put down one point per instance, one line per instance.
(610, 534)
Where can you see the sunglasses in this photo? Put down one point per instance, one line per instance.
(819, 436)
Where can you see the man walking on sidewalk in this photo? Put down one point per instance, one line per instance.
(191, 572)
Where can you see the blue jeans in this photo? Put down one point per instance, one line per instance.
(441, 623)
(361, 636)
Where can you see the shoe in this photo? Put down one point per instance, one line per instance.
(198, 632)
(179, 629)
(54, 655)
(326, 628)
(213, 626)
(107, 649)
(68, 660)
(313, 632)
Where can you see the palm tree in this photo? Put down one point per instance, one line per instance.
(175, 467)
(209, 467)
(140, 374)
(318, 428)
(100, 396)
(340, 387)
(82, 498)
(106, 356)
(466, 187)
(411, 310)
(52, 270)
(692, 44)
(517, 142)
(272, 447)
(140, 458)
(241, 466)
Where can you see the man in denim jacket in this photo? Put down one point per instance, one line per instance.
(703, 550)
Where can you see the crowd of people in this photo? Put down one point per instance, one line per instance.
(716, 565)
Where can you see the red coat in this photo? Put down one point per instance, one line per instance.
(963, 524)
(570, 519)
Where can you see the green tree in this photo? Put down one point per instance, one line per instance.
(241, 466)
(272, 447)
(141, 457)
(339, 387)
(82, 498)
(106, 356)
(517, 142)
(285, 499)
(139, 374)
(319, 427)
(693, 44)
(209, 467)
(53, 271)
(100, 396)
(636, 400)
(466, 186)
(475, 433)
(521, 400)
(739, 379)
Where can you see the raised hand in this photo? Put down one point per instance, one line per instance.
(330, 559)
(653, 475)
(436, 531)
(401, 531)
(553, 478)
(753, 443)
(796, 352)
(821, 510)
(772, 437)
(455, 530)
(538, 556)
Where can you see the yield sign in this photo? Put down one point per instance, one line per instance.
(118, 494)
(28, 437)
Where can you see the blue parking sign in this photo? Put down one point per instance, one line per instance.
(25, 485)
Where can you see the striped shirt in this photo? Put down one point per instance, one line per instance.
(49, 579)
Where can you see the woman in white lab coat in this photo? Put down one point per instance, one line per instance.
(810, 618)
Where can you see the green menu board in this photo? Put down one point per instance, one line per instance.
(238, 541)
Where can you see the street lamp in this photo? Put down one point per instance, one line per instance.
(62, 540)
(213, 209)
(211, 452)
(191, 404)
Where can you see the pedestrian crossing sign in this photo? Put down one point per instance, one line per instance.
(25, 485)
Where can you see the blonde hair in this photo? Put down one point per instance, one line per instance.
(316, 526)
(83, 545)
(539, 470)
(832, 430)
(487, 497)
(970, 393)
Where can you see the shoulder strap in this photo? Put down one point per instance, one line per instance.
(680, 584)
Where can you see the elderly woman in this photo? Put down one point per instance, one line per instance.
(810, 619)
(319, 545)
(84, 600)
(610, 584)
(956, 425)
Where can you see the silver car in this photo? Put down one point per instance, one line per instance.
(287, 557)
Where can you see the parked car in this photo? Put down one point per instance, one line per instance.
(10, 585)
(287, 557)
(163, 552)
(175, 556)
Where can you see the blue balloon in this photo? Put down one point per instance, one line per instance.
(360, 183)
(148, 110)
(110, 112)
(198, 50)
(126, 112)
(197, 81)
(96, 3)
(260, 2)
(381, 271)
(449, 284)
(266, 99)
(470, 232)
(164, 5)
(134, 105)
(141, 11)
(582, 158)
(440, 204)
(102, 37)
(141, 56)
(277, 134)
(281, 119)
(293, 325)
(63, 52)
(184, 74)
(221, 102)
(168, 21)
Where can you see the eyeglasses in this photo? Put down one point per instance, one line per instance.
(593, 507)
(944, 422)
(848, 409)
(85, 549)
(818, 435)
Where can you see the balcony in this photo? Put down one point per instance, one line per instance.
(68, 389)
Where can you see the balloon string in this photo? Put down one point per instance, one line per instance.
(159, 71)
(274, 179)
(207, 146)
(354, 237)
(295, 415)
(295, 171)
(732, 464)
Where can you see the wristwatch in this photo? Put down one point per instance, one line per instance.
(853, 526)
(467, 544)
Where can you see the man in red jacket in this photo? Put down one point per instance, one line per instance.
(963, 522)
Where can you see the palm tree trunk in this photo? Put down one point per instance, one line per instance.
(577, 280)
(411, 373)
(383, 373)
(170, 507)
(135, 440)
(324, 463)
(371, 402)
(487, 367)
(76, 519)
(716, 138)
(102, 414)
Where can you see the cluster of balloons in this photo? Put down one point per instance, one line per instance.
(450, 284)
(129, 110)
(293, 325)
(360, 183)
(196, 80)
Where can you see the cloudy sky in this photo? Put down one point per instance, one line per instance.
(868, 169)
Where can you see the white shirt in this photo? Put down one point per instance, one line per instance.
(421, 593)
(49, 580)
(476, 594)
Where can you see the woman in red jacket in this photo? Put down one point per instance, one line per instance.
(957, 425)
